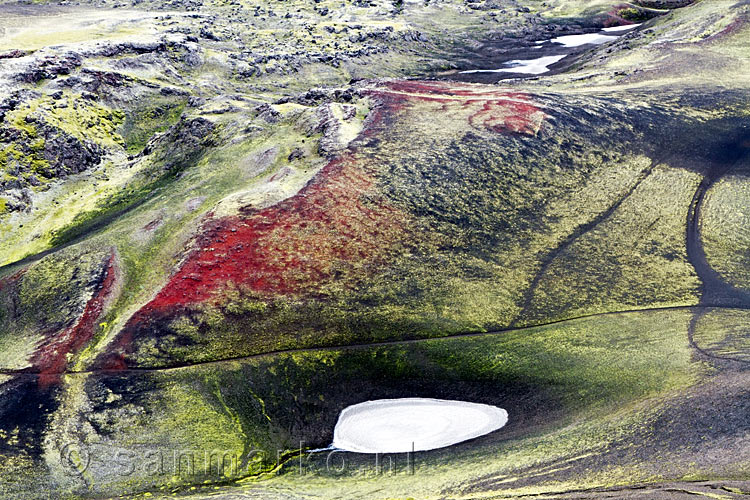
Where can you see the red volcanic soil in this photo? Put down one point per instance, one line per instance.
(336, 224)
(500, 111)
(335, 227)
(735, 26)
(338, 229)
(614, 18)
(50, 359)
(508, 116)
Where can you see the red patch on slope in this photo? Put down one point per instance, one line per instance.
(614, 16)
(506, 115)
(336, 223)
(50, 359)
(12, 279)
(339, 228)
(500, 111)
(735, 26)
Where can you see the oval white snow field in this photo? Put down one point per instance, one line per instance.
(392, 425)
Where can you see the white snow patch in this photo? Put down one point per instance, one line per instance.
(615, 29)
(413, 424)
(527, 66)
(578, 40)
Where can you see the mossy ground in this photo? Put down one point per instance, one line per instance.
(524, 204)
(725, 232)
(575, 391)
(547, 226)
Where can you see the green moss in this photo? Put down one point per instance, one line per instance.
(44, 300)
(107, 209)
(495, 208)
(25, 158)
(168, 162)
(724, 229)
(86, 120)
(487, 209)
(14, 159)
(141, 124)
(38, 145)
(723, 333)
(49, 283)
(81, 118)
(19, 121)
(574, 390)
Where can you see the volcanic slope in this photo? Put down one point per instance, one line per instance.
(215, 240)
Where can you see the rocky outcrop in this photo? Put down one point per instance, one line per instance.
(332, 122)
(49, 67)
(38, 146)
(181, 145)
(68, 155)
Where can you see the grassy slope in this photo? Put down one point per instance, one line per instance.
(726, 230)
(579, 400)
(574, 389)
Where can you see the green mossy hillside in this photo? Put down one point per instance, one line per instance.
(46, 139)
(571, 389)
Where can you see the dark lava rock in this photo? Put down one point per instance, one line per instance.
(296, 154)
(68, 155)
(116, 49)
(267, 113)
(49, 68)
(13, 54)
(209, 35)
(182, 144)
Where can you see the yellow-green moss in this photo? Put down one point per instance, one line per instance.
(87, 120)
(12, 157)
(83, 119)
(142, 124)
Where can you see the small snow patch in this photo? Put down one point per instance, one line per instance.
(588, 38)
(526, 66)
(616, 29)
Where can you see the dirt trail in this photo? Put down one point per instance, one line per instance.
(373, 344)
(714, 289)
